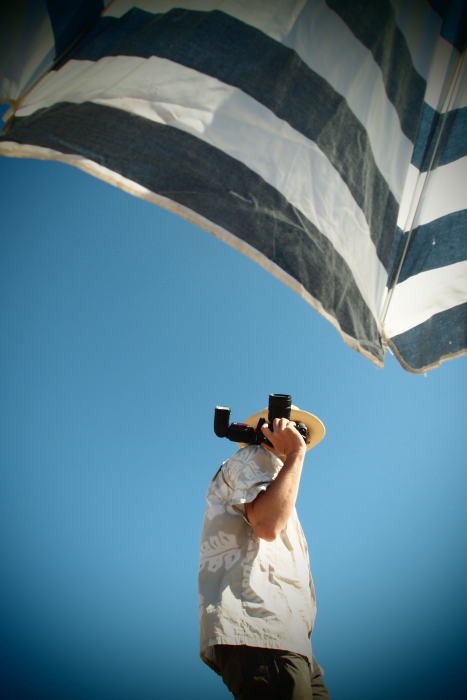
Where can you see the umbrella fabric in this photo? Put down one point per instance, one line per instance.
(326, 140)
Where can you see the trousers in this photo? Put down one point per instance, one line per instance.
(255, 673)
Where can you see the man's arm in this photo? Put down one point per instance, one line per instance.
(269, 512)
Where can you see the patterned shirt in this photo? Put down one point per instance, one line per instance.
(252, 591)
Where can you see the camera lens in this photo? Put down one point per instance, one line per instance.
(279, 406)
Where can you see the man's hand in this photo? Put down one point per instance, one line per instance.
(285, 438)
(269, 512)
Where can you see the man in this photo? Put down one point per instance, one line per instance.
(257, 600)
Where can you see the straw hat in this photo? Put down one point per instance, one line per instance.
(316, 429)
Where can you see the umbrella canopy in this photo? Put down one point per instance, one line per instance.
(326, 140)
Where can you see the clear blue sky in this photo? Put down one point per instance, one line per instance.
(122, 326)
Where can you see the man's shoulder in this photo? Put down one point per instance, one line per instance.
(238, 463)
(245, 454)
(250, 463)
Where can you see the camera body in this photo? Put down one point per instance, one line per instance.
(279, 406)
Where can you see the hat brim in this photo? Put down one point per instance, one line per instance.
(316, 428)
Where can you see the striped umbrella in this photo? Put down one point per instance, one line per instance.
(326, 140)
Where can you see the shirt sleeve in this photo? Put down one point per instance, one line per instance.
(245, 475)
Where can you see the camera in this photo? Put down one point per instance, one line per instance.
(279, 406)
